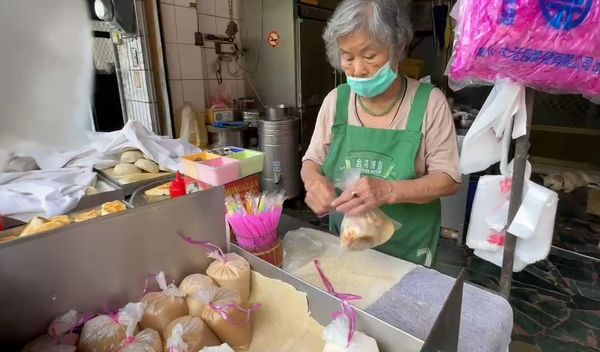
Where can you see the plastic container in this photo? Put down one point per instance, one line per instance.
(226, 151)
(251, 161)
(189, 162)
(216, 172)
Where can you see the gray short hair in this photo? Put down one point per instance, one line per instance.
(386, 21)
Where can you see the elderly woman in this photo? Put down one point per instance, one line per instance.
(398, 131)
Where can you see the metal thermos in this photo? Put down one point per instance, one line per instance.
(278, 140)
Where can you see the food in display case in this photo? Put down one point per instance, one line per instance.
(164, 306)
(86, 215)
(158, 191)
(131, 156)
(112, 207)
(147, 165)
(188, 333)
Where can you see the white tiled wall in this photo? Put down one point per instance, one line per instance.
(191, 69)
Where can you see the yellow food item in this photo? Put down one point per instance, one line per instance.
(113, 207)
(162, 190)
(7, 239)
(87, 215)
(37, 225)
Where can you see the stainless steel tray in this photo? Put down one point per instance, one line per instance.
(101, 264)
(129, 188)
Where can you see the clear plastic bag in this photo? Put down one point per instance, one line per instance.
(367, 230)
(163, 307)
(101, 334)
(60, 336)
(147, 340)
(193, 284)
(335, 336)
(300, 250)
(189, 334)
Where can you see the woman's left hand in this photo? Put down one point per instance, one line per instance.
(366, 194)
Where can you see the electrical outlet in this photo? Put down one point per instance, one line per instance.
(198, 39)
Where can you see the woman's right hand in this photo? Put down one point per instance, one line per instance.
(319, 195)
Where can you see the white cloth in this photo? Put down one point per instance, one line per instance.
(106, 148)
(53, 192)
(60, 184)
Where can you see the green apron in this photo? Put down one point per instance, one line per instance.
(390, 155)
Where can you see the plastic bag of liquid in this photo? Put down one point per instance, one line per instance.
(163, 307)
(188, 334)
(367, 230)
(336, 335)
(229, 320)
(550, 45)
(192, 284)
(147, 340)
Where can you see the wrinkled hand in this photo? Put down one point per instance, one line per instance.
(319, 195)
(366, 194)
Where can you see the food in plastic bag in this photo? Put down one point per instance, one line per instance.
(163, 307)
(367, 230)
(147, 340)
(192, 284)
(231, 271)
(60, 337)
(548, 45)
(101, 334)
(47, 343)
(228, 319)
(188, 334)
(336, 338)
(222, 348)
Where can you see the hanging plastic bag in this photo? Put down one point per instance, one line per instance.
(102, 334)
(60, 336)
(147, 340)
(190, 286)
(367, 230)
(547, 45)
(163, 307)
(488, 139)
(533, 224)
(229, 320)
(189, 334)
(228, 270)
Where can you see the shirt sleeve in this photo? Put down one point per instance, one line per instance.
(321, 138)
(441, 145)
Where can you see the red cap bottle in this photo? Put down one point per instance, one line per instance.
(177, 187)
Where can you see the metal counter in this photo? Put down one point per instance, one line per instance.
(101, 264)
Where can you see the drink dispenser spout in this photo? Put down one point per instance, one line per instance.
(277, 176)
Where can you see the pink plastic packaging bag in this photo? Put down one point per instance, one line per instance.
(551, 45)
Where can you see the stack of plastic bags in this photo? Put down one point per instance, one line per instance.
(549, 45)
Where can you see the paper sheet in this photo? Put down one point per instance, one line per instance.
(283, 324)
(367, 273)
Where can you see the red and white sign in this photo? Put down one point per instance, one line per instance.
(273, 39)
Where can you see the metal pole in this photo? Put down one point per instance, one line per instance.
(516, 198)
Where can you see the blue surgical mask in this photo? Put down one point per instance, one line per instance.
(374, 85)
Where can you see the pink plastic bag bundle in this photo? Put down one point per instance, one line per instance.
(551, 45)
